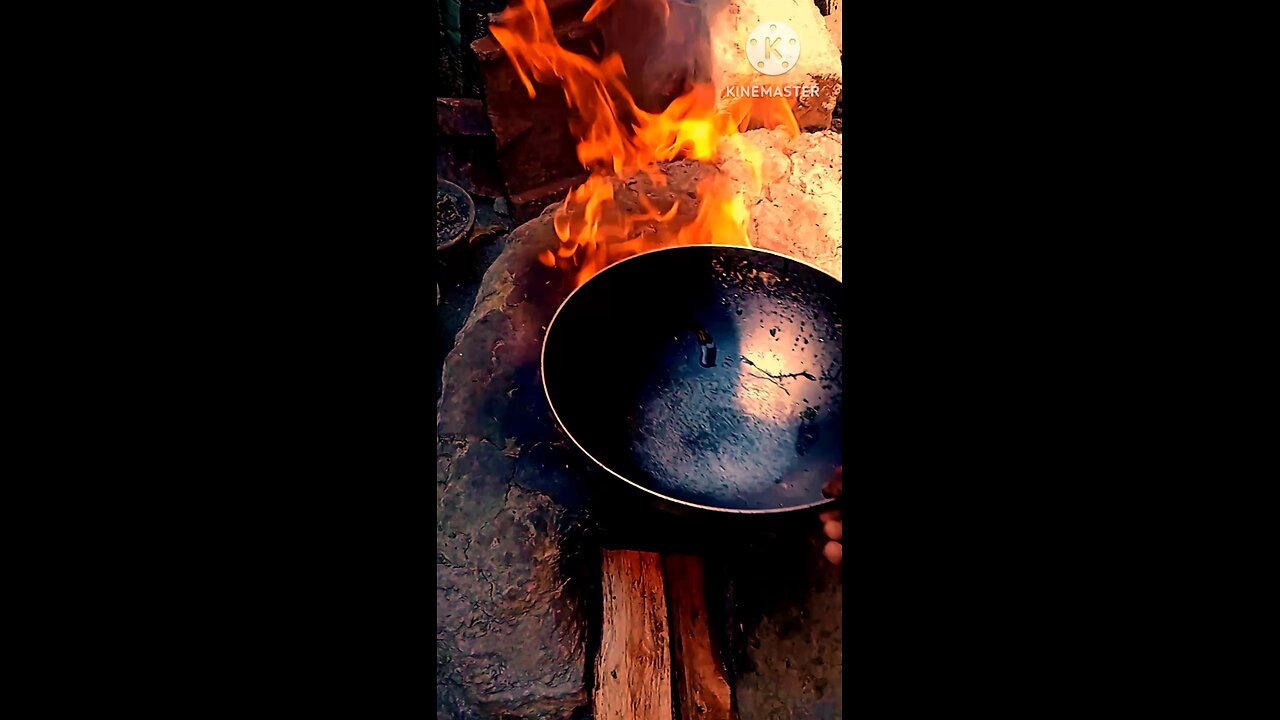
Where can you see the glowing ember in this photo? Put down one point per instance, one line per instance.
(617, 140)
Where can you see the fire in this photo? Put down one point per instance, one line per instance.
(618, 141)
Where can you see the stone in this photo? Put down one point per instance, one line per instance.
(731, 21)
(510, 623)
(835, 25)
(799, 210)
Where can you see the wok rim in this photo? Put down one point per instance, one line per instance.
(542, 370)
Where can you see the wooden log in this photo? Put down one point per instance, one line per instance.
(462, 116)
(535, 147)
(665, 46)
(702, 692)
(633, 670)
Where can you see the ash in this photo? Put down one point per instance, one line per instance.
(451, 216)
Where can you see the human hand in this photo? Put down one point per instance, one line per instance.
(832, 521)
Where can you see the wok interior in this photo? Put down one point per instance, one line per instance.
(711, 375)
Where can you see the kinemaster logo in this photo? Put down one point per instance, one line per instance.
(773, 49)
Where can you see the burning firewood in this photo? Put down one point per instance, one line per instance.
(619, 140)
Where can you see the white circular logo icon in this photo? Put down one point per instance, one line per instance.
(773, 48)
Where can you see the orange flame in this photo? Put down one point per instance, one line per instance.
(618, 140)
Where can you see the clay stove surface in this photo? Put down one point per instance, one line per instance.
(518, 564)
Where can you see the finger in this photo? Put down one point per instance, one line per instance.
(834, 529)
(829, 516)
(835, 485)
(833, 551)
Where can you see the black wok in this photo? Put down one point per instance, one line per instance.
(705, 376)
